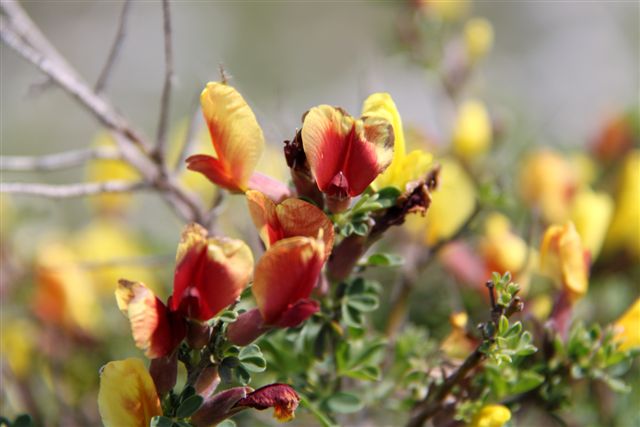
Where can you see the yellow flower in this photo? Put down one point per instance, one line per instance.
(452, 203)
(17, 340)
(563, 260)
(548, 182)
(446, 10)
(458, 344)
(64, 292)
(503, 250)
(627, 327)
(109, 242)
(472, 132)
(478, 38)
(100, 170)
(404, 167)
(591, 214)
(127, 395)
(624, 231)
(491, 416)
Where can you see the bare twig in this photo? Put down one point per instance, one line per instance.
(165, 101)
(67, 78)
(67, 159)
(71, 190)
(101, 83)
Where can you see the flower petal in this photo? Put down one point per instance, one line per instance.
(293, 217)
(149, 318)
(345, 154)
(285, 274)
(298, 313)
(235, 134)
(127, 396)
(627, 327)
(281, 397)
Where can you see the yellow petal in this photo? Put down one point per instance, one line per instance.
(127, 396)
(472, 132)
(17, 345)
(452, 203)
(110, 246)
(591, 213)
(65, 293)
(491, 416)
(235, 134)
(548, 182)
(624, 232)
(627, 327)
(562, 258)
(100, 170)
(478, 38)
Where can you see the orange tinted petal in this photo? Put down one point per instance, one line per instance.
(264, 216)
(285, 274)
(235, 133)
(127, 396)
(193, 243)
(299, 218)
(148, 317)
(215, 170)
(293, 217)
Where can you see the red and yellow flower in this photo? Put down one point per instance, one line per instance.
(345, 154)
(127, 395)
(210, 274)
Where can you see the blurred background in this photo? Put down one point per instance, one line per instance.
(557, 73)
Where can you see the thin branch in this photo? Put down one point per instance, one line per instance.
(71, 190)
(165, 101)
(427, 408)
(48, 162)
(67, 78)
(101, 83)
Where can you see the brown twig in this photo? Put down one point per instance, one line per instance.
(71, 190)
(165, 100)
(68, 79)
(55, 161)
(101, 83)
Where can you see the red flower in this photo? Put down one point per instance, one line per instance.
(345, 154)
(210, 274)
(281, 397)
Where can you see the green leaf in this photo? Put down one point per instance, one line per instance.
(363, 302)
(384, 260)
(160, 421)
(243, 375)
(254, 364)
(361, 228)
(617, 385)
(23, 420)
(388, 197)
(503, 325)
(369, 352)
(189, 406)
(187, 393)
(227, 423)
(365, 373)
(351, 316)
(344, 403)
(229, 316)
(528, 380)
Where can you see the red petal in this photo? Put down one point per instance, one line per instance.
(298, 313)
(285, 274)
(281, 397)
(214, 170)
